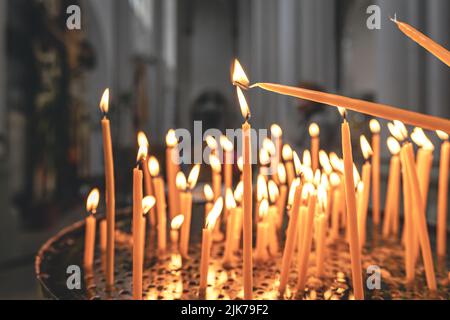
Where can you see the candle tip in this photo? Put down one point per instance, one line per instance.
(394, 19)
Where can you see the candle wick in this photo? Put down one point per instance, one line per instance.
(394, 19)
(243, 86)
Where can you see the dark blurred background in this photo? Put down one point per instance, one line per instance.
(167, 63)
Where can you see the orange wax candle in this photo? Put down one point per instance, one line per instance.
(370, 108)
(281, 202)
(148, 185)
(171, 173)
(103, 231)
(262, 233)
(175, 226)
(289, 245)
(320, 243)
(419, 212)
(352, 222)
(110, 192)
(228, 161)
(272, 218)
(230, 205)
(336, 204)
(216, 169)
(375, 129)
(442, 196)
(434, 48)
(90, 224)
(138, 258)
(424, 161)
(366, 173)
(289, 165)
(314, 132)
(277, 137)
(158, 186)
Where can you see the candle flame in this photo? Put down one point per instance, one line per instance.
(324, 181)
(269, 146)
(208, 193)
(275, 130)
(240, 163)
(419, 137)
(171, 138)
(263, 208)
(214, 214)
(295, 183)
(274, 193)
(314, 130)
(176, 222)
(261, 188)
(264, 157)
(374, 126)
(230, 202)
(322, 197)
(142, 152)
(365, 147)
(334, 179)
(142, 139)
(442, 135)
(226, 144)
(104, 101)
(281, 172)
(153, 166)
(360, 187)
(402, 129)
(193, 176)
(307, 158)
(307, 190)
(308, 174)
(239, 191)
(211, 142)
(356, 176)
(317, 176)
(286, 153)
(239, 78)
(395, 131)
(147, 203)
(325, 162)
(245, 110)
(393, 145)
(215, 163)
(342, 112)
(180, 181)
(297, 163)
(335, 162)
(92, 200)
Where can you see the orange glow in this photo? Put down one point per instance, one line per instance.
(239, 77)
(142, 152)
(325, 162)
(286, 152)
(153, 166)
(273, 191)
(214, 214)
(245, 110)
(211, 142)
(147, 203)
(230, 203)
(92, 200)
(281, 172)
(275, 130)
(393, 145)
(142, 139)
(365, 147)
(307, 158)
(314, 130)
(193, 176)
(171, 138)
(226, 144)
(374, 126)
(419, 138)
(104, 102)
(442, 135)
(208, 193)
(177, 221)
(238, 192)
(261, 188)
(180, 181)
(263, 208)
(215, 163)
(297, 163)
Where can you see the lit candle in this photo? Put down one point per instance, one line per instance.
(264, 163)
(230, 205)
(206, 243)
(158, 186)
(175, 226)
(138, 259)
(336, 205)
(352, 222)
(277, 136)
(148, 203)
(292, 230)
(314, 132)
(185, 189)
(321, 231)
(227, 147)
(261, 192)
(110, 193)
(239, 78)
(148, 185)
(434, 48)
(391, 209)
(209, 198)
(287, 158)
(424, 161)
(238, 194)
(375, 129)
(216, 169)
(90, 223)
(262, 233)
(369, 108)
(171, 173)
(442, 196)
(366, 172)
(281, 203)
(272, 218)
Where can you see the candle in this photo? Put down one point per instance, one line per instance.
(336, 205)
(148, 185)
(175, 226)
(375, 129)
(366, 172)
(306, 158)
(90, 222)
(103, 231)
(272, 218)
(314, 132)
(212, 145)
(261, 192)
(171, 173)
(158, 186)
(289, 245)
(442, 206)
(287, 158)
(110, 193)
(277, 136)
(424, 161)
(209, 198)
(240, 78)
(264, 163)
(230, 205)
(216, 169)
(185, 189)
(281, 202)
(391, 216)
(262, 233)
(434, 48)
(321, 230)
(369, 108)
(138, 259)
(148, 202)
(352, 222)
(206, 243)
(238, 194)
(227, 146)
